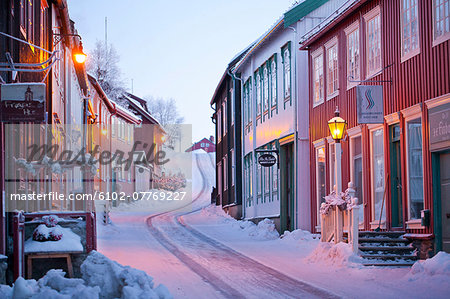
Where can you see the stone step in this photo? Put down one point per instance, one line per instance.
(383, 240)
(386, 248)
(389, 256)
(383, 234)
(389, 264)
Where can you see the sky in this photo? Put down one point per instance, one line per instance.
(176, 49)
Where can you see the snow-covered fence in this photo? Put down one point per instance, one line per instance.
(340, 213)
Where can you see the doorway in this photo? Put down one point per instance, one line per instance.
(287, 187)
(441, 191)
(396, 177)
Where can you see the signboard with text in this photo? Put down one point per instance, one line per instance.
(22, 102)
(267, 160)
(369, 103)
(439, 119)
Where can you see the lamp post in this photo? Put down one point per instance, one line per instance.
(337, 126)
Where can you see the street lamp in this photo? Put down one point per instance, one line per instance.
(78, 54)
(337, 126)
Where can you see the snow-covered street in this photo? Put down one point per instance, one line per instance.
(204, 253)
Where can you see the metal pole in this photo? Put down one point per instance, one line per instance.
(338, 157)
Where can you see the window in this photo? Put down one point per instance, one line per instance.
(225, 172)
(219, 180)
(377, 166)
(318, 79)
(233, 166)
(320, 178)
(409, 20)
(247, 102)
(27, 18)
(258, 180)
(332, 159)
(356, 174)
(332, 68)
(266, 88)
(414, 167)
(353, 63)
(248, 190)
(373, 41)
(113, 126)
(219, 124)
(274, 182)
(441, 21)
(258, 94)
(287, 72)
(273, 81)
(266, 184)
(232, 105)
(225, 116)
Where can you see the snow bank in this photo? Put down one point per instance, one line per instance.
(265, 230)
(69, 241)
(102, 278)
(338, 255)
(437, 267)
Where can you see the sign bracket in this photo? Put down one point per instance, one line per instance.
(351, 78)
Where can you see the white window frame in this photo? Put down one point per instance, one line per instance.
(332, 162)
(315, 55)
(318, 144)
(259, 108)
(287, 70)
(411, 53)
(348, 31)
(225, 172)
(232, 105)
(368, 17)
(219, 124)
(354, 133)
(219, 181)
(225, 116)
(444, 37)
(273, 82)
(265, 89)
(233, 167)
(410, 114)
(328, 46)
(375, 222)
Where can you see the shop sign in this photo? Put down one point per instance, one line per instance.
(439, 119)
(267, 160)
(23, 102)
(369, 104)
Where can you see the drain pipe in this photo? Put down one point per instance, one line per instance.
(295, 127)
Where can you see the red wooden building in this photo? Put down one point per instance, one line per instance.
(403, 46)
(205, 144)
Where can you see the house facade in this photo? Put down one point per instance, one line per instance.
(205, 144)
(275, 119)
(398, 165)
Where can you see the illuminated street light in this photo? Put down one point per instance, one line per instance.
(337, 126)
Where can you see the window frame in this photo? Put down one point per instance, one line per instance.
(258, 95)
(410, 114)
(353, 133)
(273, 85)
(373, 221)
(219, 124)
(331, 155)
(319, 144)
(410, 54)
(265, 85)
(376, 12)
(333, 42)
(355, 26)
(225, 172)
(315, 55)
(445, 36)
(284, 49)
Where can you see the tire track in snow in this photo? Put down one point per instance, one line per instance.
(205, 256)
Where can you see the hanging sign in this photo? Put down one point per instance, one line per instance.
(22, 102)
(369, 103)
(439, 120)
(267, 160)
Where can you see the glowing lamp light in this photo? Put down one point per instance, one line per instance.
(337, 126)
(163, 138)
(80, 57)
(104, 131)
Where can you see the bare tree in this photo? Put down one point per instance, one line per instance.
(103, 65)
(166, 112)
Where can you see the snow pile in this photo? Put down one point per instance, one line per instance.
(117, 281)
(265, 230)
(69, 241)
(338, 255)
(299, 235)
(102, 278)
(437, 266)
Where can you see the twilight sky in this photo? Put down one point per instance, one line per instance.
(176, 49)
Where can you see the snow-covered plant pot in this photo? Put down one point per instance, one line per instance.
(343, 200)
(42, 233)
(51, 220)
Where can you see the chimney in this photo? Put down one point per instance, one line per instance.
(211, 138)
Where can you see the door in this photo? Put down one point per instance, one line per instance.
(444, 165)
(287, 191)
(396, 177)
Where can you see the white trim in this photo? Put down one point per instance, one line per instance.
(411, 54)
(392, 118)
(412, 113)
(414, 224)
(316, 164)
(441, 100)
(368, 17)
(354, 131)
(349, 30)
(314, 55)
(328, 45)
(442, 38)
(332, 161)
(319, 142)
(372, 190)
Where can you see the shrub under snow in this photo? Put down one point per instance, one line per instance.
(101, 278)
(437, 266)
(340, 255)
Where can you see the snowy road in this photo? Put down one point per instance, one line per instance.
(230, 273)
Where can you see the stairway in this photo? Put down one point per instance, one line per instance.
(386, 249)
